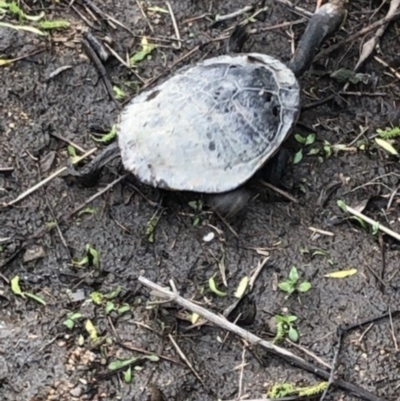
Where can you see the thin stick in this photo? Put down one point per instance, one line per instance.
(235, 14)
(183, 356)
(296, 9)
(279, 191)
(373, 223)
(255, 340)
(6, 169)
(177, 34)
(48, 179)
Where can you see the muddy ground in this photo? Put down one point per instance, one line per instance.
(42, 359)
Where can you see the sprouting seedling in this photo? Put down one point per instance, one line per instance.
(197, 206)
(292, 283)
(304, 140)
(285, 328)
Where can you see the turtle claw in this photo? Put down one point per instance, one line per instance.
(89, 175)
(229, 204)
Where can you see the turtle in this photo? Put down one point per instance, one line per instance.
(209, 127)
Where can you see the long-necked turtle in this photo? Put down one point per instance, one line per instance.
(211, 126)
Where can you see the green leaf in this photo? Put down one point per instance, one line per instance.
(299, 138)
(94, 254)
(342, 205)
(313, 151)
(89, 326)
(123, 309)
(52, 25)
(293, 275)
(158, 10)
(35, 298)
(242, 287)
(286, 287)
(107, 137)
(293, 334)
(304, 287)
(386, 146)
(97, 297)
(109, 307)
(291, 318)
(389, 133)
(114, 293)
(119, 93)
(69, 323)
(120, 364)
(15, 288)
(142, 54)
(298, 157)
(27, 28)
(128, 375)
(152, 358)
(310, 139)
(214, 289)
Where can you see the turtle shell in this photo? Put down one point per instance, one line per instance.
(209, 127)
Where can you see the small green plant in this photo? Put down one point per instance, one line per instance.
(306, 141)
(197, 206)
(110, 136)
(285, 328)
(389, 133)
(292, 283)
(72, 317)
(287, 389)
(91, 258)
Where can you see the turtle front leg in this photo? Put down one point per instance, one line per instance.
(274, 169)
(229, 204)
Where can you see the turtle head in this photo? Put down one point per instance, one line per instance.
(325, 21)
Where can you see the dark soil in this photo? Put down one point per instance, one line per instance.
(42, 359)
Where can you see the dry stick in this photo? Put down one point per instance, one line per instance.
(356, 35)
(183, 356)
(235, 14)
(373, 223)
(176, 29)
(6, 169)
(296, 9)
(384, 63)
(48, 179)
(255, 340)
(369, 46)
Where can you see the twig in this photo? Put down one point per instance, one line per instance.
(334, 365)
(69, 142)
(384, 63)
(100, 69)
(242, 366)
(258, 270)
(145, 16)
(6, 169)
(255, 340)
(309, 353)
(175, 25)
(356, 35)
(369, 46)
(234, 14)
(279, 191)
(277, 26)
(92, 198)
(296, 9)
(183, 356)
(48, 179)
(373, 223)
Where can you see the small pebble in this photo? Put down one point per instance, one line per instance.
(209, 237)
(76, 392)
(33, 253)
